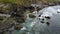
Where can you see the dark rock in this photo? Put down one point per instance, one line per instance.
(58, 12)
(20, 19)
(47, 17)
(48, 23)
(2, 32)
(31, 7)
(38, 9)
(42, 21)
(1, 12)
(39, 15)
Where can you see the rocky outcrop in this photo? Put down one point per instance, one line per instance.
(16, 13)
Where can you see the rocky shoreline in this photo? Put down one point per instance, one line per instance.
(17, 13)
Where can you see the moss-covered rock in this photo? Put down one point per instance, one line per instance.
(32, 16)
(18, 27)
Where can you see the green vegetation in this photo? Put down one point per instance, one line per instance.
(11, 1)
(26, 2)
(19, 2)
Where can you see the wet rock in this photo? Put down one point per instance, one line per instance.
(42, 21)
(47, 17)
(18, 27)
(58, 12)
(39, 15)
(51, 4)
(32, 16)
(48, 23)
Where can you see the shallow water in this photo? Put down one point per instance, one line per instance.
(43, 28)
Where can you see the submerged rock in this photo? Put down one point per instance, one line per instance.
(48, 23)
(32, 16)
